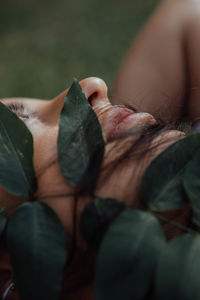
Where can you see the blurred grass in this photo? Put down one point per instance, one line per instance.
(44, 44)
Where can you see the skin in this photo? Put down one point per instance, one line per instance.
(161, 71)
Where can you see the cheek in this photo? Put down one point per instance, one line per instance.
(7, 199)
(45, 147)
(50, 179)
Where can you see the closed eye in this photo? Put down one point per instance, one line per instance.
(19, 110)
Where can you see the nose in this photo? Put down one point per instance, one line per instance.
(94, 89)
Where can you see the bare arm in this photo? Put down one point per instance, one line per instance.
(161, 73)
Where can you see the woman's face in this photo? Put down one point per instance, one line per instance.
(41, 117)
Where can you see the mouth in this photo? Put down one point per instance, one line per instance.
(117, 119)
(117, 122)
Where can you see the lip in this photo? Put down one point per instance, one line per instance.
(116, 120)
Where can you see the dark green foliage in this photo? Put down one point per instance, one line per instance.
(80, 140)
(17, 173)
(162, 187)
(191, 182)
(128, 255)
(96, 217)
(2, 221)
(177, 276)
(37, 245)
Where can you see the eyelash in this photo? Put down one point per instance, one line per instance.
(19, 110)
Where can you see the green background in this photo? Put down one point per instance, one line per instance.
(44, 44)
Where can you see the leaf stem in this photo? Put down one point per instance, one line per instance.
(54, 196)
(4, 209)
(178, 225)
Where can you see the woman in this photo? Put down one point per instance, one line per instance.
(132, 139)
(41, 117)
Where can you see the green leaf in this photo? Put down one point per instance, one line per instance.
(80, 140)
(36, 241)
(177, 276)
(191, 183)
(162, 187)
(127, 257)
(96, 217)
(2, 221)
(17, 173)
